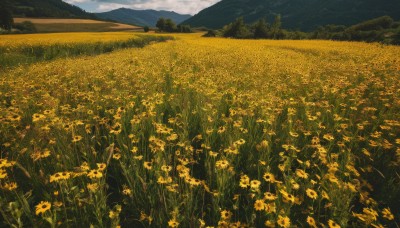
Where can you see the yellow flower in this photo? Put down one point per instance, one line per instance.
(269, 177)
(244, 181)
(101, 166)
(147, 165)
(311, 222)
(387, 214)
(333, 224)
(221, 164)
(300, 173)
(173, 223)
(226, 215)
(95, 174)
(42, 207)
(269, 196)
(311, 193)
(255, 184)
(10, 186)
(76, 138)
(93, 187)
(116, 156)
(283, 221)
(259, 205)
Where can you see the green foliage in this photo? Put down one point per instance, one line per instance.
(146, 28)
(168, 25)
(379, 23)
(211, 33)
(237, 29)
(261, 29)
(6, 18)
(184, 29)
(305, 15)
(30, 54)
(48, 8)
(26, 27)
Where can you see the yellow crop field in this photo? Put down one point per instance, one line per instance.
(204, 132)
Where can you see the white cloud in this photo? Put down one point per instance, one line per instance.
(179, 6)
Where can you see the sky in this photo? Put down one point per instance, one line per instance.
(179, 6)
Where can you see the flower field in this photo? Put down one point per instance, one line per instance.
(198, 132)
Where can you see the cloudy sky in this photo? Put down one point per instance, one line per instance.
(179, 6)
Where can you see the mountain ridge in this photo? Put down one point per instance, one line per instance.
(141, 17)
(47, 8)
(305, 15)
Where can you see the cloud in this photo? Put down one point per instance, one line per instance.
(179, 6)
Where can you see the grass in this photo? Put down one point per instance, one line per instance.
(14, 54)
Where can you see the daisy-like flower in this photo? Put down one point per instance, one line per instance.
(42, 207)
(311, 193)
(311, 222)
(283, 221)
(269, 177)
(333, 224)
(387, 214)
(259, 205)
(76, 138)
(95, 174)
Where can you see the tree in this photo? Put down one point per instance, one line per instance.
(261, 29)
(237, 29)
(170, 26)
(146, 29)
(276, 27)
(161, 24)
(6, 18)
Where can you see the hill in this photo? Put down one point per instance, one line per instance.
(296, 14)
(141, 17)
(47, 8)
(50, 25)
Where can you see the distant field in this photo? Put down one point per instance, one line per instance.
(75, 25)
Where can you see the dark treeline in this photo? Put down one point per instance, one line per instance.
(383, 29)
(168, 25)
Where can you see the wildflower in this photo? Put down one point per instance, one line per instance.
(333, 224)
(244, 181)
(116, 156)
(387, 214)
(221, 164)
(101, 166)
(92, 187)
(259, 205)
(42, 207)
(10, 186)
(76, 138)
(269, 196)
(311, 193)
(311, 222)
(300, 173)
(255, 184)
(147, 165)
(283, 221)
(173, 223)
(328, 137)
(269, 177)
(95, 174)
(226, 215)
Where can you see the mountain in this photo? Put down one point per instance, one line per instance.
(141, 17)
(296, 14)
(46, 8)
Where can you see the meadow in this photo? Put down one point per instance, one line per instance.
(198, 132)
